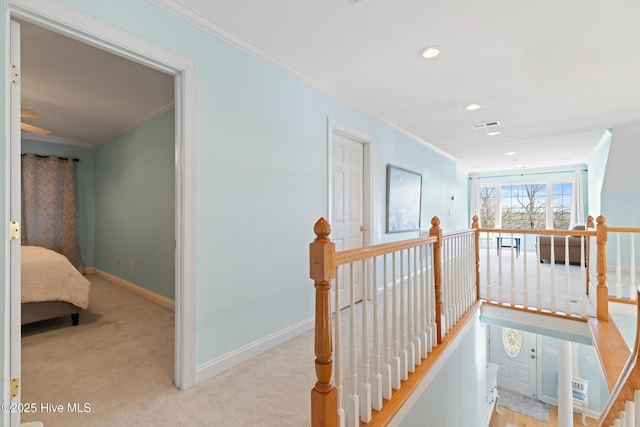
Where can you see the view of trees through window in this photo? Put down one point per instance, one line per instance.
(526, 206)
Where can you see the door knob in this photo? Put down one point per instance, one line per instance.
(363, 228)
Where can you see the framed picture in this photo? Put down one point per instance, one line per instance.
(404, 199)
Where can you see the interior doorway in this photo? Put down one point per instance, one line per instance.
(349, 211)
(54, 17)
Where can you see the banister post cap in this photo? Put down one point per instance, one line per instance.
(322, 229)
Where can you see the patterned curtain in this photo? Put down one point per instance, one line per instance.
(49, 206)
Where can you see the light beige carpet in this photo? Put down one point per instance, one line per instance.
(119, 360)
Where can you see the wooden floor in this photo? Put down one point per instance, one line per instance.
(507, 418)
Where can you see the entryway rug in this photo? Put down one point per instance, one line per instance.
(525, 405)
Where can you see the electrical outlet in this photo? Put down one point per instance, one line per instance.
(131, 266)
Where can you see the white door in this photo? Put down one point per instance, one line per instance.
(347, 208)
(14, 183)
(515, 353)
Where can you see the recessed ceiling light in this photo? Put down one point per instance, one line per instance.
(429, 52)
(472, 107)
(494, 133)
(510, 153)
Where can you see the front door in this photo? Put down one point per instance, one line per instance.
(347, 208)
(515, 352)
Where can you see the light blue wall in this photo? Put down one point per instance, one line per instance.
(462, 379)
(597, 167)
(135, 212)
(85, 189)
(262, 179)
(589, 368)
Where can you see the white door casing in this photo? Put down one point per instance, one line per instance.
(516, 354)
(348, 208)
(13, 293)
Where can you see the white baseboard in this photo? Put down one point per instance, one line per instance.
(136, 289)
(210, 369)
(554, 401)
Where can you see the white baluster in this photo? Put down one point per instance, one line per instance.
(404, 368)
(618, 268)
(567, 276)
(538, 287)
(553, 274)
(376, 376)
(525, 272)
(386, 369)
(417, 278)
(411, 351)
(632, 268)
(512, 300)
(424, 296)
(364, 395)
(499, 243)
(488, 257)
(583, 278)
(337, 377)
(636, 407)
(395, 362)
(630, 414)
(353, 403)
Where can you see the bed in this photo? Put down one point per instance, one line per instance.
(51, 286)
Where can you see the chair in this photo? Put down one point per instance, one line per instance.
(580, 399)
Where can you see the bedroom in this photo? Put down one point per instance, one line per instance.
(124, 178)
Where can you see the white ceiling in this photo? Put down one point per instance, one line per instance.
(85, 95)
(555, 74)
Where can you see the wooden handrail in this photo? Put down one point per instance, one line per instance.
(359, 254)
(587, 233)
(628, 382)
(324, 396)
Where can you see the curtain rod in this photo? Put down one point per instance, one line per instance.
(44, 156)
(526, 174)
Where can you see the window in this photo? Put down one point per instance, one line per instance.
(488, 207)
(561, 206)
(511, 341)
(523, 206)
(530, 206)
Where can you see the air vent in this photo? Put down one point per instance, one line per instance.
(485, 125)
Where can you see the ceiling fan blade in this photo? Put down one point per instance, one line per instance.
(29, 114)
(33, 129)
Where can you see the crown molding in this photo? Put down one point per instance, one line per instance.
(187, 14)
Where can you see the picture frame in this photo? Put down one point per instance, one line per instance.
(404, 199)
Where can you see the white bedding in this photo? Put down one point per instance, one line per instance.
(49, 276)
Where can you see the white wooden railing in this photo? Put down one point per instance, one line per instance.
(512, 271)
(624, 267)
(412, 293)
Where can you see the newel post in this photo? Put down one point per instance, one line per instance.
(324, 396)
(436, 232)
(476, 226)
(602, 293)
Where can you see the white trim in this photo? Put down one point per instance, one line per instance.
(87, 29)
(145, 293)
(214, 367)
(367, 172)
(194, 18)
